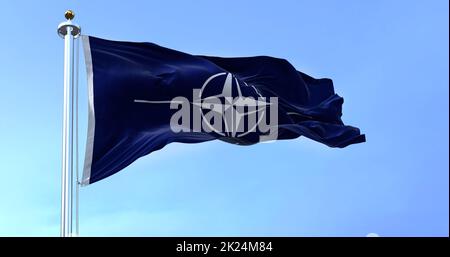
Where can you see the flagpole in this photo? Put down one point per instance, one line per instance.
(67, 30)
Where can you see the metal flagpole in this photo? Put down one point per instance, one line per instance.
(68, 31)
(77, 178)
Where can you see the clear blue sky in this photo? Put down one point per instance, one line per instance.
(388, 59)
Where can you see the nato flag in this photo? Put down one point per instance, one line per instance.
(143, 96)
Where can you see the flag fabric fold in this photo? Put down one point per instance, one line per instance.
(143, 96)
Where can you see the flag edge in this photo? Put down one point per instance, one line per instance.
(91, 112)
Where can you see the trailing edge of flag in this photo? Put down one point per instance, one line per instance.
(143, 96)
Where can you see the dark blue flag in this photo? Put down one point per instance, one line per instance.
(143, 96)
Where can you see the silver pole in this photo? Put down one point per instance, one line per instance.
(77, 179)
(68, 31)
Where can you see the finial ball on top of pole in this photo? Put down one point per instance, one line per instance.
(62, 28)
(69, 14)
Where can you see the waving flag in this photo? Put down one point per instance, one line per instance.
(143, 96)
